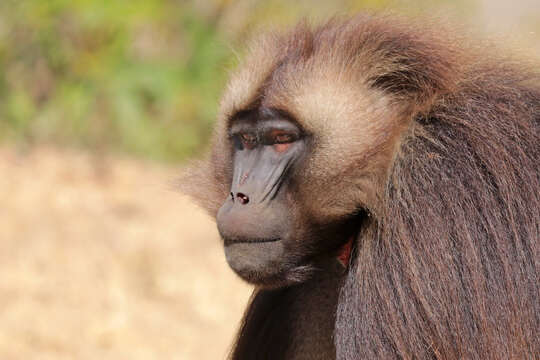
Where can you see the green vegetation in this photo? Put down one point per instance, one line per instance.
(138, 76)
(141, 76)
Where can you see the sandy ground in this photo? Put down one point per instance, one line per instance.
(101, 259)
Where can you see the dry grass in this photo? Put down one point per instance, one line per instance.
(100, 259)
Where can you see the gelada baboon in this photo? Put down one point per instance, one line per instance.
(407, 153)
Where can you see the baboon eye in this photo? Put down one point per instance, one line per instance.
(248, 140)
(283, 138)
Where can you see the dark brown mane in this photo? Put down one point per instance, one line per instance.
(452, 272)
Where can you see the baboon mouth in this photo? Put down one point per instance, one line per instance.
(230, 241)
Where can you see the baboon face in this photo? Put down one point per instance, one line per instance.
(303, 142)
(269, 237)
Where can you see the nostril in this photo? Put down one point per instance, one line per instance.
(244, 199)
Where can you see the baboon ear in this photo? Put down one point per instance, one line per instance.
(200, 181)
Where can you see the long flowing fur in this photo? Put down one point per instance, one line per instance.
(452, 269)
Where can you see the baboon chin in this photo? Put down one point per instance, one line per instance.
(402, 152)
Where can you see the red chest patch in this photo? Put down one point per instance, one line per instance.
(345, 253)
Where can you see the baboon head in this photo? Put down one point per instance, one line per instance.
(306, 133)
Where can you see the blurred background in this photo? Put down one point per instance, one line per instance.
(100, 104)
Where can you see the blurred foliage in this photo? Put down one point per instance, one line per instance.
(139, 76)
(142, 76)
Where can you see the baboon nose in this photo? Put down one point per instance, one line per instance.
(244, 199)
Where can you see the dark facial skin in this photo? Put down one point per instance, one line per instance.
(268, 240)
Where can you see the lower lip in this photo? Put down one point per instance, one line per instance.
(252, 241)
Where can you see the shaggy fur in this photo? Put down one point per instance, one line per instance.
(439, 141)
